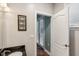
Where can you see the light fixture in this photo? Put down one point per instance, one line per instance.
(3, 5)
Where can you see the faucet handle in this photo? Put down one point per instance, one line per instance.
(5, 52)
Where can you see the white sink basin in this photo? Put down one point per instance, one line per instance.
(16, 54)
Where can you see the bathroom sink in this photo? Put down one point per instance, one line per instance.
(16, 54)
(13, 51)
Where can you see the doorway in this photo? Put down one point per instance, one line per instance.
(43, 35)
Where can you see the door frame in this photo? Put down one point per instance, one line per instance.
(36, 33)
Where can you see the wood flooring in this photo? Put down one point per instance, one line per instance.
(40, 51)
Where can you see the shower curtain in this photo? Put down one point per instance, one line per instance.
(42, 31)
(43, 26)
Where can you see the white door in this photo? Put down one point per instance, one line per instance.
(61, 34)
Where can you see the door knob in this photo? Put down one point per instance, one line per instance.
(66, 45)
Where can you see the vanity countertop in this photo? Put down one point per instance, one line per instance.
(14, 49)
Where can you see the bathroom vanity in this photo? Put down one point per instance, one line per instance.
(13, 51)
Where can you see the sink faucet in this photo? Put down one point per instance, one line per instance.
(5, 51)
(1, 50)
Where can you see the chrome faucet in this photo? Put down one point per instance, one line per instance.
(1, 50)
(4, 52)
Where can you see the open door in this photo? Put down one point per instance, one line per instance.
(61, 34)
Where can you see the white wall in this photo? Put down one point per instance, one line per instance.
(1, 27)
(58, 7)
(1, 18)
(12, 36)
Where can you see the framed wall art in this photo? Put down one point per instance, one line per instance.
(22, 23)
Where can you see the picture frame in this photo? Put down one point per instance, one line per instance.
(22, 23)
